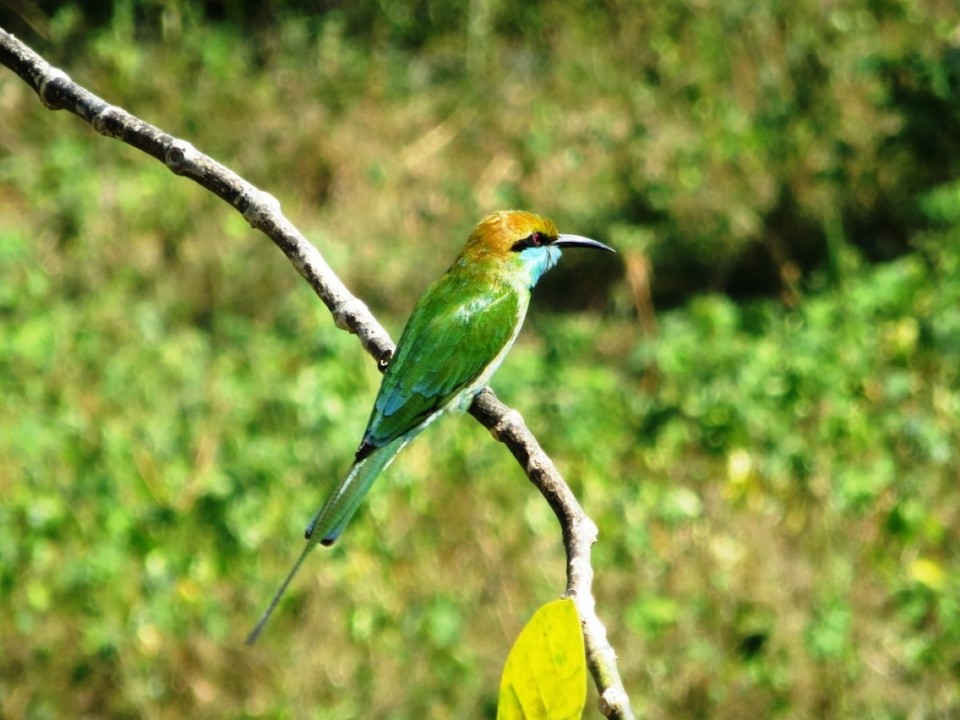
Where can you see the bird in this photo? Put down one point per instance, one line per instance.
(459, 333)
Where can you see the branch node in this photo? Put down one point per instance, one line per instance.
(613, 701)
(589, 530)
(110, 121)
(184, 159)
(256, 206)
(347, 313)
(383, 360)
(507, 422)
(52, 78)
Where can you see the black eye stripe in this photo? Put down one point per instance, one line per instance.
(536, 239)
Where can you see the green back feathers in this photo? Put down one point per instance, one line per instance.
(452, 336)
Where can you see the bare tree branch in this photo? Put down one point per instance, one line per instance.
(58, 92)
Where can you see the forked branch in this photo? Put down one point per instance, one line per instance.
(58, 92)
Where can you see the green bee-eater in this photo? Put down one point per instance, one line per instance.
(460, 331)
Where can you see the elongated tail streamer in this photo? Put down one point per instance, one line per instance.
(333, 517)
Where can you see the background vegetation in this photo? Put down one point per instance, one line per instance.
(771, 457)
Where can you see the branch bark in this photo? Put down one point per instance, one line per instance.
(58, 92)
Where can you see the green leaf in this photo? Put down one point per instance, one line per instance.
(545, 677)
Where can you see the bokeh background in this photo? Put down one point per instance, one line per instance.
(757, 399)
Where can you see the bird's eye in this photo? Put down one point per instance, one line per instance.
(536, 239)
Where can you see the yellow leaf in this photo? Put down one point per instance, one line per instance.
(545, 677)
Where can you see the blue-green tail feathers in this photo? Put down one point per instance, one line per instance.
(342, 505)
(328, 524)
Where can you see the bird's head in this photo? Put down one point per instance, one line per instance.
(520, 240)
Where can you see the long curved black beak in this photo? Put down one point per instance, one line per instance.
(580, 241)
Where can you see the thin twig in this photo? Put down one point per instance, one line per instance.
(58, 92)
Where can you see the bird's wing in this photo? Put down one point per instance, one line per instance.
(451, 338)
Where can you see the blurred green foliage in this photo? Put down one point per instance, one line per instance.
(774, 478)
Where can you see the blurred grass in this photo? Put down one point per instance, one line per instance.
(774, 481)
